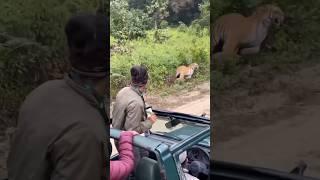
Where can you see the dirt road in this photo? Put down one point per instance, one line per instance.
(274, 127)
(194, 102)
(280, 146)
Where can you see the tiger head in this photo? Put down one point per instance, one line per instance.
(271, 14)
(194, 66)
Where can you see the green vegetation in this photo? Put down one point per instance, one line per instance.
(182, 47)
(158, 44)
(296, 42)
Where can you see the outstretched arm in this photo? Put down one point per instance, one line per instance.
(123, 167)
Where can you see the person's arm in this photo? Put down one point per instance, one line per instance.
(124, 166)
(77, 154)
(135, 119)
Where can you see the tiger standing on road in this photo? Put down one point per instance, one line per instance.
(183, 72)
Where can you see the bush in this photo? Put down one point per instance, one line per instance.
(127, 24)
(160, 35)
(31, 36)
(22, 66)
(204, 19)
(120, 81)
(164, 24)
(182, 27)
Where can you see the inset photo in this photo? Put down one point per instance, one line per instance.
(160, 87)
(265, 86)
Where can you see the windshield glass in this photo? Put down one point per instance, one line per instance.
(178, 129)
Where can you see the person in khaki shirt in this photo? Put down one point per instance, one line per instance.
(129, 112)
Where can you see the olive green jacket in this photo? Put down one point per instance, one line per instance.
(60, 135)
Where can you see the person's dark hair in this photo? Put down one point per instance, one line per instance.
(139, 75)
(87, 36)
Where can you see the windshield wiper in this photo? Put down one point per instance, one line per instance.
(167, 135)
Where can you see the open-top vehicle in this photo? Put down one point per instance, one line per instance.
(175, 133)
(170, 136)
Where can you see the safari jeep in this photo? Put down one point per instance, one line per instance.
(171, 135)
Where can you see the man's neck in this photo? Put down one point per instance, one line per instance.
(89, 85)
(137, 89)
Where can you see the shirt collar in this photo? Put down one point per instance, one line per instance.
(136, 89)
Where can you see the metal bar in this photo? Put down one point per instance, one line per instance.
(167, 162)
(140, 141)
(193, 140)
(191, 118)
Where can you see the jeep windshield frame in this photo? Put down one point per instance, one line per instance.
(182, 116)
(185, 126)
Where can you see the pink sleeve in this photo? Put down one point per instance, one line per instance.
(123, 167)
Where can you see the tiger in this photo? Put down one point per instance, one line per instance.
(183, 72)
(235, 34)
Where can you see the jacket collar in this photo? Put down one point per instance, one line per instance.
(98, 102)
(81, 90)
(135, 89)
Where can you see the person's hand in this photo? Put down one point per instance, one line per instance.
(153, 118)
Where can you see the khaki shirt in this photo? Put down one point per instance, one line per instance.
(60, 135)
(129, 111)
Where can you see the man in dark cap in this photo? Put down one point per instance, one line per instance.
(129, 111)
(61, 131)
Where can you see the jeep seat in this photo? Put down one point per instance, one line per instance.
(147, 169)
